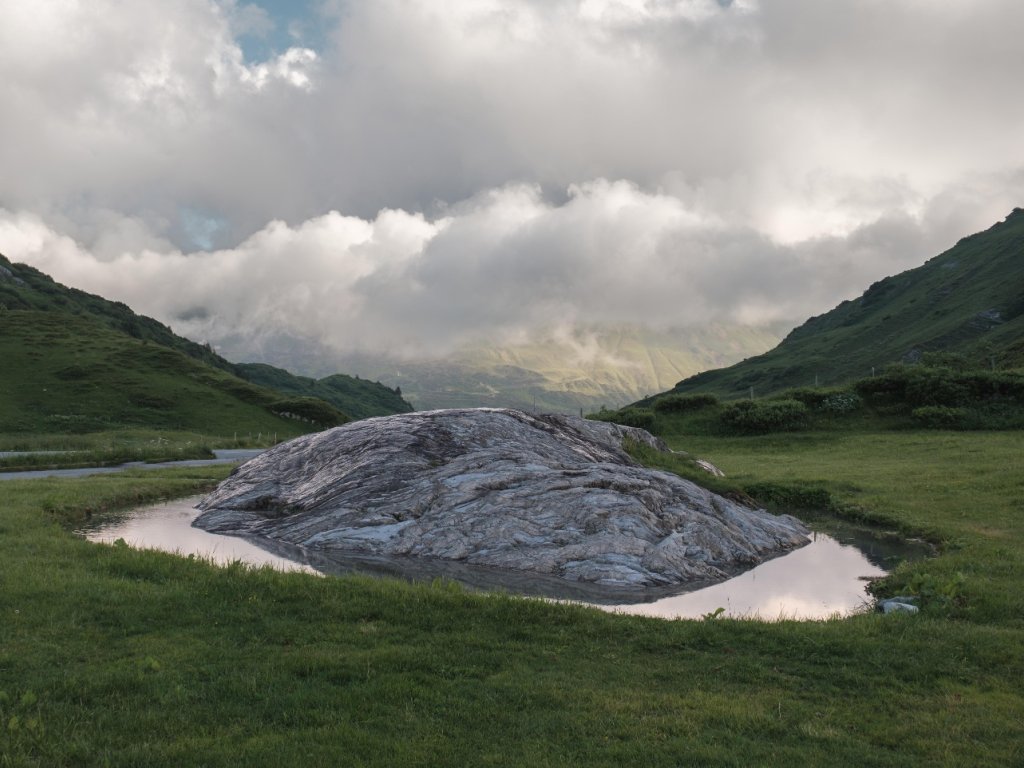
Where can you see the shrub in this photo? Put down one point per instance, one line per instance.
(939, 416)
(309, 409)
(840, 403)
(832, 401)
(792, 496)
(634, 417)
(919, 386)
(888, 387)
(683, 403)
(986, 385)
(754, 416)
(812, 397)
(937, 386)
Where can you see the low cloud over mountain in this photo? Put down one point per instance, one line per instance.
(417, 176)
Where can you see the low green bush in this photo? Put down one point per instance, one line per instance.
(635, 417)
(812, 397)
(918, 386)
(759, 416)
(840, 403)
(827, 400)
(683, 403)
(938, 387)
(939, 416)
(889, 387)
(792, 496)
(310, 409)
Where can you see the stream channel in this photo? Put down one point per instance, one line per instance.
(825, 578)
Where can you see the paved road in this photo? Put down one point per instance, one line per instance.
(8, 454)
(226, 456)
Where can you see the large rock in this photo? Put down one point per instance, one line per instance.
(549, 495)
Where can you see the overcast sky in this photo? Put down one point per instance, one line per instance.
(410, 175)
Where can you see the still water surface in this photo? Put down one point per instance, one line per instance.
(825, 578)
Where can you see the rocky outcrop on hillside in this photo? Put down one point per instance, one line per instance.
(551, 495)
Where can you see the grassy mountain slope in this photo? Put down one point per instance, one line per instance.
(968, 300)
(25, 288)
(68, 374)
(357, 397)
(74, 363)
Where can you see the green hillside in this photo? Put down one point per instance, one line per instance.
(25, 288)
(74, 363)
(357, 397)
(73, 374)
(968, 300)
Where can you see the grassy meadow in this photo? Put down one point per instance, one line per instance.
(111, 656)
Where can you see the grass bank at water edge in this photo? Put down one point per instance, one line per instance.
(111, 656)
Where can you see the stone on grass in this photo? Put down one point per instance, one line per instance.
(898, 604)
(551, 495)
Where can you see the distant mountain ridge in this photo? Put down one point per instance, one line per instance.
(968, 300)
(565, 373)
(357, 397)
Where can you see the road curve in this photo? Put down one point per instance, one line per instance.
(223, 456)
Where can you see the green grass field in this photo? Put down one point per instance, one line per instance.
(111, 656)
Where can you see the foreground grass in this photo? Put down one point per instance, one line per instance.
(114, 656)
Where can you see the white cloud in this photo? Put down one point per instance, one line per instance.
(503, 266)
(769, 158)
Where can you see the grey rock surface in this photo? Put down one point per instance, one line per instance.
(551, 495)
(898, 604)
(894, 607)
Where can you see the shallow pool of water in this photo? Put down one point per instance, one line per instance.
(826, 577)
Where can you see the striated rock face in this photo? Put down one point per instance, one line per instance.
(550, 495)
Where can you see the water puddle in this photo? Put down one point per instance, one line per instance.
(827, 577)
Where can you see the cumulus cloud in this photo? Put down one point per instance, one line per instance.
(435, 172)
(504, 266)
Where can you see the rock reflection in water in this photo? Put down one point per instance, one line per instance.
(819, 580)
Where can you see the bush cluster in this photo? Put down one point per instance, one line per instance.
(635, 417)
(754, 416)
(841, 402)
(627, 417)
(939, 416)
(309, 409)
(683, 403)
(921, 386)
(812, 397)
(831, 401)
